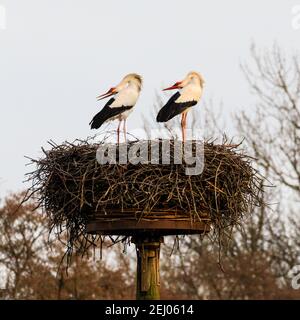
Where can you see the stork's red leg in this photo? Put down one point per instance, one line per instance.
(182, 126)
(124, 129)
(185, 116)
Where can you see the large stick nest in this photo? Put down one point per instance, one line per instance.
(71, 185)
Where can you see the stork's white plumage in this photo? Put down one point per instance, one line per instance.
(126, 94)
(180, 103)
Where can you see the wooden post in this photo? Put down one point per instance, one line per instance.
(147, 276)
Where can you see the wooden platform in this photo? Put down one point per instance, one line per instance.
(132, 222)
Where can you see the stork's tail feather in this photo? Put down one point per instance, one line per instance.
(107, 113)
(170, 110)
(97, 121)
(164, 115)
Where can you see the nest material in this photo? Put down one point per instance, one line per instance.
(71, 186)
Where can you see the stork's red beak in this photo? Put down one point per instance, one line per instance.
(177, 85)
(109, 93)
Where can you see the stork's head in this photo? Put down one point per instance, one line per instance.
(132, 79)
(191, 78)
(128, 80)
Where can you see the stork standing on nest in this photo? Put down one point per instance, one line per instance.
(126, 94)
(181, 102)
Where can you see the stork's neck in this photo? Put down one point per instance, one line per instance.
(134, 85)
(192, 91)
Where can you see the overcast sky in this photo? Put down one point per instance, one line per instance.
(58, 55)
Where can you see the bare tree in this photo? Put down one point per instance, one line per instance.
(32, 267)
(21, 239)
(272, 128)
(255, 265)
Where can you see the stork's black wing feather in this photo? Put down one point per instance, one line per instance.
(106, 113)
(172, 108)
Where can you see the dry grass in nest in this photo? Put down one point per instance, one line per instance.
(71, 185)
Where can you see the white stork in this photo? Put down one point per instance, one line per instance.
(181, 102)
(126, 94)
